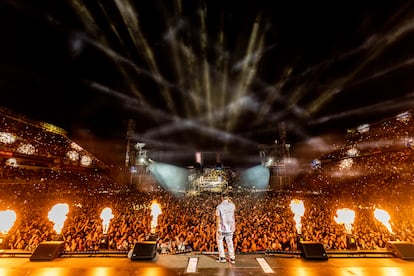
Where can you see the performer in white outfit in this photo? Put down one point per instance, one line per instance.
(226, 225)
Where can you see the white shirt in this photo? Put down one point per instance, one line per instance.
(225, 210)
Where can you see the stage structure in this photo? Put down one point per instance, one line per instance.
(137, 161)
(203, 178)
(276, 158)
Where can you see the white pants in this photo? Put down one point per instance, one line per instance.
(229, 242)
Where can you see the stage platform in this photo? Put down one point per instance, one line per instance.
(205, 264)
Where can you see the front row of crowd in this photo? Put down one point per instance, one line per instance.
(264, 221)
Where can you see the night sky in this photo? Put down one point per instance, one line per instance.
(211, 76)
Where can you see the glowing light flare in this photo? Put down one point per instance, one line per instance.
(7, 138)
(404, 117)
(346, 217)
(106, 216)
(298, 209)
(352, 152)
(155, 212)
(7, 219)
(363, 128)
(11, 162)
(75, 146)
(72, 155)
(58, 216)
(28, 149)
(86, 160)
(346, 163)
(383, 217)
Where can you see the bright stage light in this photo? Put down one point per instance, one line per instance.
(257, 176)
(404, 117)
(12, 162)
(86, 160)
(28, 149)
(7, 138)
(72, 155)
(363, 128)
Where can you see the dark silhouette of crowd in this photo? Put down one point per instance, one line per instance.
(373, 175)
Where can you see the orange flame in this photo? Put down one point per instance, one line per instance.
(345, 216)
(7, 219)
(384, 218)
(106, 216)
(155, 212)
(58, 216)
(298, 209)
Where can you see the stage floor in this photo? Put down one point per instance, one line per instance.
(255, 264)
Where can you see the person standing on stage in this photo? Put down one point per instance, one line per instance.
(226, 225)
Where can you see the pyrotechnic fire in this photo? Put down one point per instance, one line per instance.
(155, 212)
(7, 219)
(298, 209)
(58, 216)
(384, 218)
(106, 216)
(345, 216)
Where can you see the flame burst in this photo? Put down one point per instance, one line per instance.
(345, 216)
(58, 216)
(155, 212)
(7, 219)
(298, 209)
(384, 218)
(106, 216)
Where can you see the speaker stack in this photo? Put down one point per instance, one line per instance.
(47, 251)
(403, 250)
(146, 250)
(313, 250)
(351, 242)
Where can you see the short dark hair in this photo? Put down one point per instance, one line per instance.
(226, 194)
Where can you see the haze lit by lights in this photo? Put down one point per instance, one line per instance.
(218, 89)
(171, 177)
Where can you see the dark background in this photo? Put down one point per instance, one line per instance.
(210, 76)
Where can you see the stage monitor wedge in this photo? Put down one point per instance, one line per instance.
(313, 251)
(47, 251)
(403, 250)
(146, 250)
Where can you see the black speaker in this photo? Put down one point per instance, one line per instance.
(144, 250)
(351, 243)
(313, 250)
(403, 250)
(47, 251)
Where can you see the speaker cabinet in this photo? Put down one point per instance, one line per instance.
(47, 251)
(313, 250)
(351, 243)
(146, 250)
(403, 250)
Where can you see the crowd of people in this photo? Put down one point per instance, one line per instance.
(45, 143)
(366, 180)
(264, 221)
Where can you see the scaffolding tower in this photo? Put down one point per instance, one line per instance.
(276, 158)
